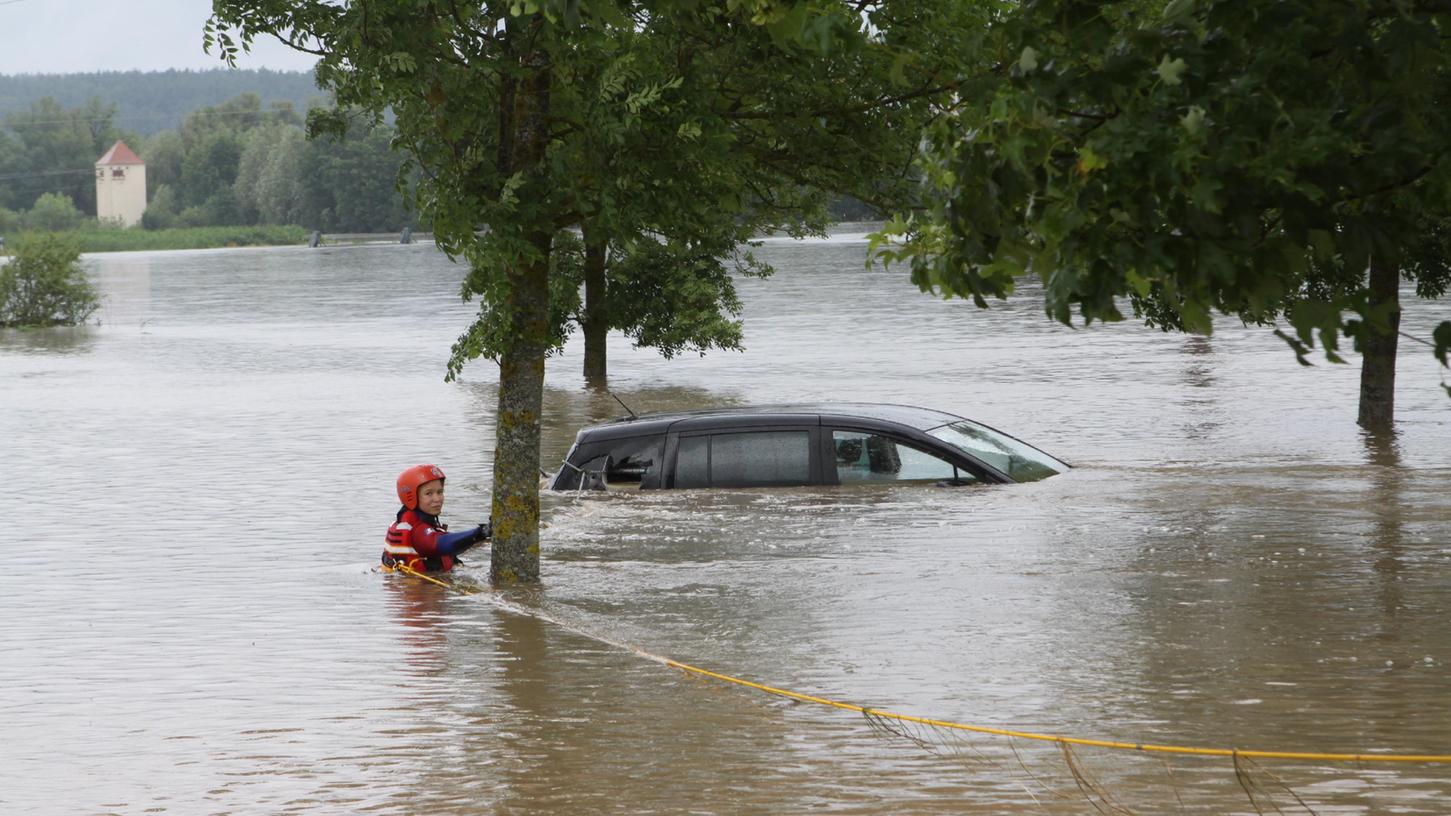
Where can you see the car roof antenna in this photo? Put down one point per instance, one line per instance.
(623, 405)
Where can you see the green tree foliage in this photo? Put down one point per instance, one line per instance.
(54, 212)
(13, 173)
(44, 285)
(234, 117)
(703, 306)
(210, 166)
(163, 153)
(163, 210)
(272, 176)
(231, 164)
(513, 112)
(697, 143)
(343, 184)
(1257, 158)
(350, 182)
(212, 140)
(56, 152)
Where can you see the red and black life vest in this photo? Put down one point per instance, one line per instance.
(413, 540)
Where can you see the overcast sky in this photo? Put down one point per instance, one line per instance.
(70, 36)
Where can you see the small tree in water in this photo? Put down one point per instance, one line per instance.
(44, 285)
(1265, 159)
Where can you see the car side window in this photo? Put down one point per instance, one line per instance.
(746, 459)
(692, 462)
(867, 457)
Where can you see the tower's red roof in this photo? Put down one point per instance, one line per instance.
(119, 154)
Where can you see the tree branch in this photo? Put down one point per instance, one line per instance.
(829, 113)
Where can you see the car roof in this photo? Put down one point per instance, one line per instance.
(908, 416)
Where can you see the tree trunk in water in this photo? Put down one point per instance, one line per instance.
(514, 555)
(595, 323)
(1378, 363)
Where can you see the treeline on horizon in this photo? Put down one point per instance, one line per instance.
(148, 102)
(233, 164)
(236, 157)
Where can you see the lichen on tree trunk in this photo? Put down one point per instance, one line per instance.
(515, 552)
(524, 135)
(1378, 349)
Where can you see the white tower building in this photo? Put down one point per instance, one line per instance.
(120, 186)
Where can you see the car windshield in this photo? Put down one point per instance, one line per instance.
(1021, 461)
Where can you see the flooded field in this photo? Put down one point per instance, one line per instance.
(198, 489)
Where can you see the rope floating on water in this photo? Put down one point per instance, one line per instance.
(1233, 753)
(1003, 732)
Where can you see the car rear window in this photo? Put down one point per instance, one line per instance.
(750, 459)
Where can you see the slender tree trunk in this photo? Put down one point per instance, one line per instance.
(595, 323)
(515, 551)
(1378, 361)
(514, 555)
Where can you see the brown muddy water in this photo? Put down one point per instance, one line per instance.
(196, 492)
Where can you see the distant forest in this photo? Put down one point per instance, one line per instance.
(148, 102)
(222, 148)
(237, 163)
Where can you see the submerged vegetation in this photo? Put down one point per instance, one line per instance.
(45, 285)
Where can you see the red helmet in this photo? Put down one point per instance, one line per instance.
(413, 478)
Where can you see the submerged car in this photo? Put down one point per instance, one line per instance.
(793, 445)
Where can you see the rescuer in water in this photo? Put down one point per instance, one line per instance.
(417, 539)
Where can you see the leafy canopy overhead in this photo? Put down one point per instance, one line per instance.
(512, 113)
(676, 130)
(1249, 157)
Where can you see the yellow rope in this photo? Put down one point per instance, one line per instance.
(1130, 746)
(407, 570)
(1003, 732)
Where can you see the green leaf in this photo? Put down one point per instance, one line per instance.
(1088, 161)
(898, 72)
(1177, 11)
(1171, 71)
(1301, 350)
(1138, 283)
(1442, 338)
(1193, 120)
(789, 26)
(1205, 193)
(1028, 62)
(402, 62)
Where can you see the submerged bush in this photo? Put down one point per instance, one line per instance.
(44, 284)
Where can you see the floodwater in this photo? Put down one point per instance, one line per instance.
(197, 489)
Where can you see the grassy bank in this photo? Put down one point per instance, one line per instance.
(130, 240)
